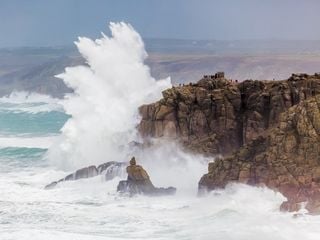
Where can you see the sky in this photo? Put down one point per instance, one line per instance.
(60, 22)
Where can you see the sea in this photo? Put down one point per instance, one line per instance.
(43, 139)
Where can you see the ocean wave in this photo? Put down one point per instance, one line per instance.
(22, 123)
(23, 113)
(27, 97)
(27, 142)
(33, 103)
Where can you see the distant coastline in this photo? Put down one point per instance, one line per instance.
(32, 69)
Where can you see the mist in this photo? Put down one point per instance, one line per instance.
(106, 98)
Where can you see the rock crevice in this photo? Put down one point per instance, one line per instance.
(287, 159)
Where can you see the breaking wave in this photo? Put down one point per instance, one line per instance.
(106, 98)
(101, 117)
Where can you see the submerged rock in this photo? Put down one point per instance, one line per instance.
(109, 169)
(138, 182)
(286, 159)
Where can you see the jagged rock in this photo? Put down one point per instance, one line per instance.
(286, 159)
(218, 116)
(109, 169)
(138, 182)
(86, 172)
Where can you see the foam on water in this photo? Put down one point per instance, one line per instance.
(24, 102)
(27, 142)
(104, 115)
(91, 209)
(29, 115)
(21, 97)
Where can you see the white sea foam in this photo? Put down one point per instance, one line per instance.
(27, 97)
(27, 142)
(90, 209)
(104, 116)
(108, 92)
(24, 102)
(104, 110)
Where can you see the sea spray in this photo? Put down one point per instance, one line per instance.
(107, 94)
(90, 209)
(104, 109)
(168, 164)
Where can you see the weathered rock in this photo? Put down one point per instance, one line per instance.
(138, 182)
(286, 159)
(86, 172)
(109, 169)
(126, 186)
(218, 116)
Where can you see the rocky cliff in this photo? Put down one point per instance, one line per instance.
(286, 159)
(218, 116)
(267, 131)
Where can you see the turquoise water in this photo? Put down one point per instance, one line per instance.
(13, 158)
(26, 130)
(16, 120)
(91, 209)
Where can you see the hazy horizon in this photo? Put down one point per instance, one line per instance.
(60, 22)
(267, 42)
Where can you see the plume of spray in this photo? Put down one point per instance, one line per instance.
(104, 109)
(107, 94)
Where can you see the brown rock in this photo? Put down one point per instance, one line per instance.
(287, 159)
(138, 182)
(215, 116)
(269, 132)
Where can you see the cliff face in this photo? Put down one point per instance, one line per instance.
(286, 159)
(218, 116)
(269, 132)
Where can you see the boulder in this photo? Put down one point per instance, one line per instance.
(138, 182)
(109, 169)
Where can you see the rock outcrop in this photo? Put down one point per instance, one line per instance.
(267, 131)
(138, 182)
(286, 159)
(109, 169)
(218, 116)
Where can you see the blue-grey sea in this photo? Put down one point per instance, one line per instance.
(91, 208)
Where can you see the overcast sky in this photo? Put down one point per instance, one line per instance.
(59, 22)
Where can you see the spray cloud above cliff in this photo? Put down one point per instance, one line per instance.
(107, 94)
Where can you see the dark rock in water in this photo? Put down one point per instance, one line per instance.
(109, 169)
(104, 166)
(51, 185)
(133, 188)
(70, 177)
(139, 182)
(87, 172)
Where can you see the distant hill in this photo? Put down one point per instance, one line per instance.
(33, 69)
